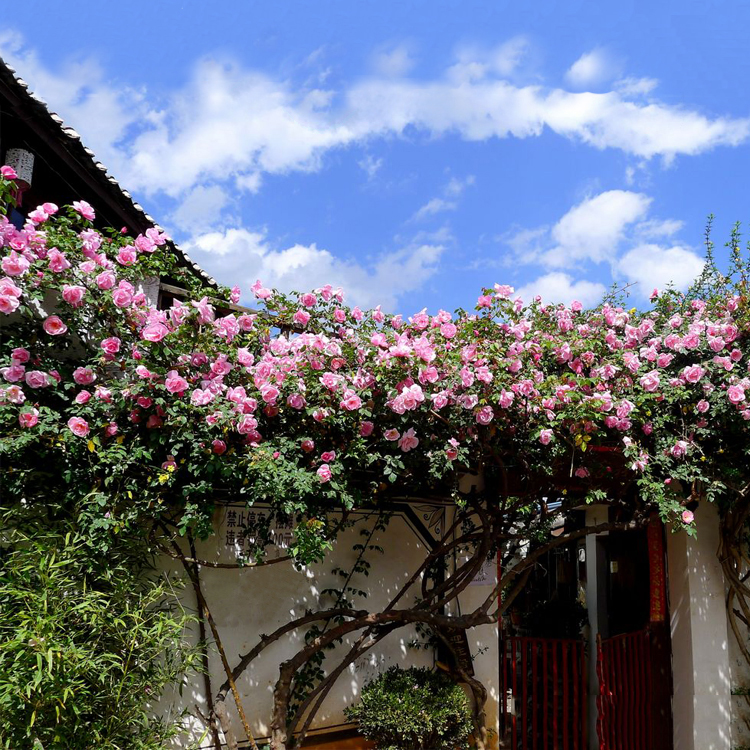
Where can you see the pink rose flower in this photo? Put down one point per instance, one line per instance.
(328, 456)
(503, 290)
(693, 373)
(545, 437)
(54, 326)
(85, 209)
(154, 332)
(8, 172)
(28, 418)
(351, 401)
(14, 373)
(506, 398)
(82, 397)
(122, 297)
(15, 264)
(12, 393)
(408, 441)
(219, 447)
(366, 429)
(111, 345)
(73, 295)
(175, 383)
(296, 401)
(37, 379)
(702, 406)
(308, 446)
(308, 299)
(301, 317)
(324, 473)
(57, 261)
(103, 394)
(679, 449)
(201, 397)
(20, 355)
(391, 435)
(247, 424)
(84, 376)
(448, 330)
(105, 280)
(269, 393)
(736, 394)
(9, 303)
(650, 381)
(78, 426)
(485, 415)
(260, 291)
(687, 516)
(127, 256)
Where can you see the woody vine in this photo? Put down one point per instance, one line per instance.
(130, 421)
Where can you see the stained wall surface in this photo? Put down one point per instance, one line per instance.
(253, 601)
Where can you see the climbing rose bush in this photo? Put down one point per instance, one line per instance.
(134, 414)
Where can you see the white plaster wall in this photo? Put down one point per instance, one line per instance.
(484, 645)
(700, 641)
(252, 601)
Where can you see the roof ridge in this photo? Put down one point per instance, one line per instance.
(101, 170)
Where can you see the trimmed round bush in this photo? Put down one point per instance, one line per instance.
(413, 709)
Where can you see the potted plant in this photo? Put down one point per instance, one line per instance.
(413, 709)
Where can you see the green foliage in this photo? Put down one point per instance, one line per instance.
(413, 709)
(86, 645)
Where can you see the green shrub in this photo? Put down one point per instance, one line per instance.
(86, 644)
(413, 709)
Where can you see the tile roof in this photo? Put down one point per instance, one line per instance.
(70, 140)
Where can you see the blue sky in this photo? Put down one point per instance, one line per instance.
(413, 152)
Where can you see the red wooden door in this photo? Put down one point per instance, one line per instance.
(634, 701)
(544, 684)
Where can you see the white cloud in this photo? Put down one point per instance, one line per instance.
(239, 256)
(490, 107)
(651, 265)
(228, 122)
(591, 69)
(456, 185)
(560, 287)
(249, 182)
(451, 192)
(473, 63)
(393, 62)
(612, 227)
(370, 165)
(78, 91)
(508, 56)
(635, 86)
(654, 228)
(593, 229)
(200, 208)
(434, 206)
(231, 123)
